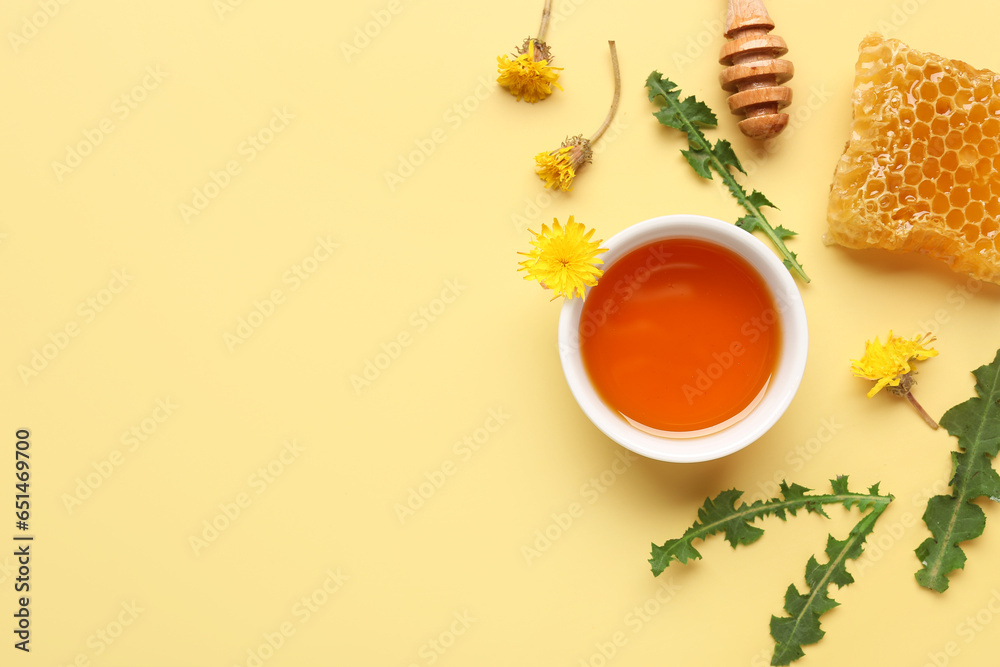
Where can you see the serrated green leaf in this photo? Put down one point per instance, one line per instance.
(802, 625)
(747, 223)
(699, 161)
(952, 519)
(784, 233)
(689, 115)
(759, 200)
(726, 514)
(724, 152)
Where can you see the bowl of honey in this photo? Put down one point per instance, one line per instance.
(692, 344)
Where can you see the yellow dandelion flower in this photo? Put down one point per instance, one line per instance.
(528, 76)
(564, 259)
(558, 168)
(889, 365)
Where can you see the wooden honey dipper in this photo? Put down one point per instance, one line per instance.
(754, 73)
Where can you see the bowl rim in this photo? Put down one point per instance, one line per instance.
(785, 380)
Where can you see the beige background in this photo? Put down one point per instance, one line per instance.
(226, 334)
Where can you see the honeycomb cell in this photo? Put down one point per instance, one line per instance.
(887, 202)
(968, 156)
(907, 116)
(893, 182)
(907, 196)
(925, 112)
(945, 182)
(988, 147)
(903, 214)
(874, 188)
(928, 91)
(978, 113)
(949, 161)
(935, 146)
(980, 191)
(972, 135)
(964, 175)
(953, 140)
(991, 127)
(971, 233)
(983, 168)
(948, 86)
(975, 212)
(944, 106)
(918, 152)
(912, 175)
(927, 190)
(916, 59)
(983, 93)
(993, 208)
(931, 167)
(959, 120)
(988, 228)
(963, 98)
(940, 127)
(959, 197)
(940, 204)
(993, 108)
(954, 219)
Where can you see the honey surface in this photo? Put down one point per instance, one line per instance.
(679, 335)
(921, 171)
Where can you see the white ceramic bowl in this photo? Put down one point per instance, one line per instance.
(707, 445)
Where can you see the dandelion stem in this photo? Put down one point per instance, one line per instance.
(618, 93)
(920, 410)
(546, 11)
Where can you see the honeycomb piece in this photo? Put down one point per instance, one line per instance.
(921, 171)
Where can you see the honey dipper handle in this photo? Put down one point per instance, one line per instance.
(747, 14)
(754, 72)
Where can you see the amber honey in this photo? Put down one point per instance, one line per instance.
(680, 335)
